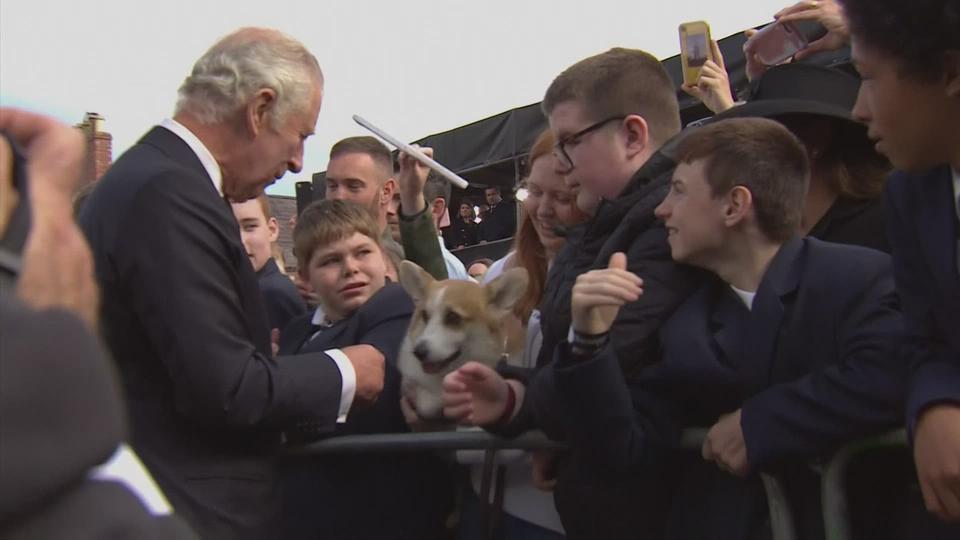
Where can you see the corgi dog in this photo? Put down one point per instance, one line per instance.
(455, 321)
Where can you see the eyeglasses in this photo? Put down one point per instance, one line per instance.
(560, 149)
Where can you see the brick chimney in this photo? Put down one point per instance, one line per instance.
(99, 147)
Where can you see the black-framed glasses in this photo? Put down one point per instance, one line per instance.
(560, 149)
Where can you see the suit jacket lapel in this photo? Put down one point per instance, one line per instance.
(728, 321)
(766, 316)
(328, 338)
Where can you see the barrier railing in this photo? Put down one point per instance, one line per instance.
(781, 516)
(836, 514)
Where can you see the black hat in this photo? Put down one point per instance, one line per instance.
(799, 88)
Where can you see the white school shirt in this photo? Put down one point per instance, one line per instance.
(745, 296)
(347, 373)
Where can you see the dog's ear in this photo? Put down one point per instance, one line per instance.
(504, 291)
(415, 280)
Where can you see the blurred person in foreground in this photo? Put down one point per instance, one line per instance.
(62, 391)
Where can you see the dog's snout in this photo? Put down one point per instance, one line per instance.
(421, 351)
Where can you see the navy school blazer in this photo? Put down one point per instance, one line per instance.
(923, 231)
(382, 323)
(812, 365)
(366, 496)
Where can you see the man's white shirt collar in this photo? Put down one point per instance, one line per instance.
(203, 154)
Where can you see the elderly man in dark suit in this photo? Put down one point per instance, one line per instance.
(182, 313)
(909, 56)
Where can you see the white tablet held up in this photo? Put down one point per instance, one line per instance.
(413, 152)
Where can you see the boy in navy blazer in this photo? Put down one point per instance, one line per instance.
(909, 57)
(786, 354)
(259, 231)
(357, 496)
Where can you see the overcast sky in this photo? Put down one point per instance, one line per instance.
(413, 68)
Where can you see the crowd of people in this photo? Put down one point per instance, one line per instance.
(784, 276)
(494, 219)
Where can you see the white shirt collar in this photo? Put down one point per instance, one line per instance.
(745, 296)
(203, 154)
(318, 316)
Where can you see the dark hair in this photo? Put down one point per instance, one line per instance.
(842, 153)
(495, 188)
(760, 155)
(620, 81)
(436, 187)
(328, 221)
(365, 145)
(916, 33)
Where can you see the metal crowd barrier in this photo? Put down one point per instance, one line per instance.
(836, 515)
(781, 516)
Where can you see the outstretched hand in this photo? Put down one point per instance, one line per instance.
(474, 394)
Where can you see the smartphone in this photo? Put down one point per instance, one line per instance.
(304, 195)
(777, 42)
(694, 49)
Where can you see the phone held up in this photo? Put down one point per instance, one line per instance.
(694, 49)
(776, 43)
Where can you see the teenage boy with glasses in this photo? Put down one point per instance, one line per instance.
(611, 113)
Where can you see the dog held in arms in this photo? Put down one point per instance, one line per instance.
(455, 321)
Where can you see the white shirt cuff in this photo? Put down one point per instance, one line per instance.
(570, 335)
(349, 386)
(126, 468)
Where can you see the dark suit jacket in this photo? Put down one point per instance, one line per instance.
(280, 296)
(812, 365)
(61, 416)
(500, 223)
(854, 222)
(923, 233)
(460, 233)
(366, 496)
(184, 318)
